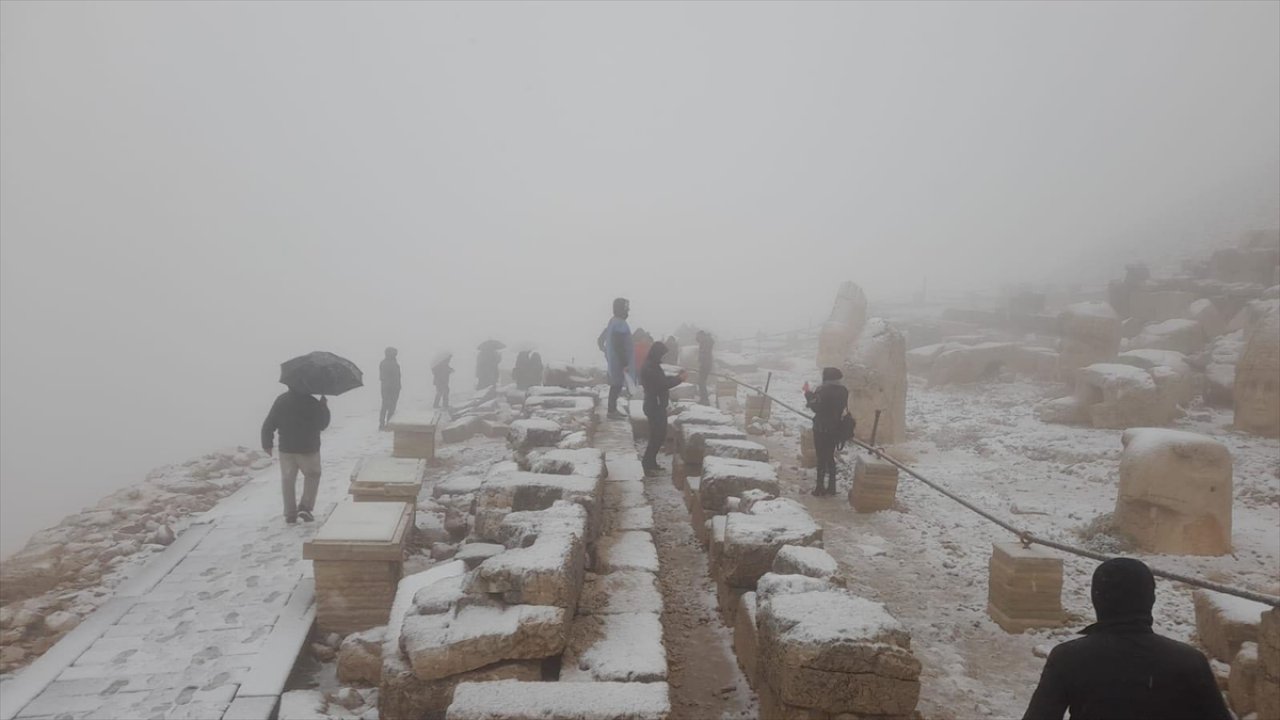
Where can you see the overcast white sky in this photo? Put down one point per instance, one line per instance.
(192, 192)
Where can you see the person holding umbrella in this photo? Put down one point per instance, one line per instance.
(299, 418)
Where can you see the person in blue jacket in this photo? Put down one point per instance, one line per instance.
(615, 343)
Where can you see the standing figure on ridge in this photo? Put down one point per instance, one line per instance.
(829, 403)
(615, 343)
(389, 375)
(657, 387)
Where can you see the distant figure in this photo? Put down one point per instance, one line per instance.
(641, 341)
(706, 364)
(673, 349)
(528, 370)
(657, 387)
(440, 373)
(615, 343)
(535, 368)
(829, 404)
(1120, 668)
(389, 374)
(487, 361)
(299, 418)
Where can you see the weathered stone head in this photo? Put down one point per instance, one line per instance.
(1257, 384)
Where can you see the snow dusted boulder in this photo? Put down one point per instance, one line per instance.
(830, 651)
(771, 584)
(1159, 305)
(1225, 622)
(752, 540)
(360, 657)
(463, 429)
(1090, 333)
(1111, 395)
(523, 528)
(1242, 683)
(473, 636)
(620, 647)
(843, 326)
(546, 572)
(512, 700)
(735, 450)
(809, 561)
(1210, 318)
(689, 414)
(530, 433)
(1182, 335)
(1256, 389)
(475, 553)
(691, 439)
(622, 591)
(1220, 362)
(723, 478)
(877, 380)
(507, 491)
(1180, 381)
(1175, 492)
(574, 441)
(684, 391)
(587, 462)
(631, 550)
(970, 364)
(564, 403)
(1039, 363)
(920, 360)
(624, 494)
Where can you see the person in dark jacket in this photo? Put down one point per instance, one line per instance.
(657, 389)
(389, 374)
(299, 418)
(705, 364)
(1121, 668)
(487, 362)
(440, 373)
(829, 404)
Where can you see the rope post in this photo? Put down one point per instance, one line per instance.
(875, 425)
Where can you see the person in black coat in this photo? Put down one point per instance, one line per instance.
(389, 375)
(440, 373)
(1121, 668)
(829, 404)
(299, 418)
(657, 390)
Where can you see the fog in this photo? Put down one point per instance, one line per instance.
(191, 193)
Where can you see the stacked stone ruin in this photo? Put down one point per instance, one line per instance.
(1245, 635)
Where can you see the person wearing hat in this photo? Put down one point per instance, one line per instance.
(829, 404)
(616, 343)
(1121, 668)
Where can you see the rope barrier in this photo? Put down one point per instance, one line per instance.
(1025, 536)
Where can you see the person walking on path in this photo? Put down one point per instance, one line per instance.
(299, 418)
(657, 387)
(389, 374)
(705, 364)
(1121, 668)
(615, 343)
(440, 373)
(829, 404)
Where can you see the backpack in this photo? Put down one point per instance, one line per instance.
(846, 427)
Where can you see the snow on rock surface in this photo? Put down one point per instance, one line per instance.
(622, 591)
(726, 477)
(511, 700)
(800, 560)
(630, 550)
(736, 449)
(1175, 492)
(1225, 622)
(752, 540)
(473, 636)
(529, 433)
(588, 462)
(617, 647)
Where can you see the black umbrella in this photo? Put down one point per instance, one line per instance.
(321, 373)
(491, 345)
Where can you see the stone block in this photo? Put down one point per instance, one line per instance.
(548, 572)
(745, 645)
(505, 491)
(1183, 335)
(757, 406)
(357, 557)
(1243, 681)
(1175, 492)
(752, 540)
(875, 485)
(618, 647)
(725, 477)
(736, 450)
(1225, 622)
(808, 454)
(876, 377)
(380, 479)
(529, 433)
(969, 364)
(473, 636)
(1024, 588)
(360, 657)
(587, 462)
(833, 652)
(1269, 644)
(622, 591)
(1090, 333)
(808, 561)
(463, 429)
(691, 439)
(403, 694)
(413, 436)
(1256, 389)
(556, 701)
(631, 550)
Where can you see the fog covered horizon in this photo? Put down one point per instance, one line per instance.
(191, 193)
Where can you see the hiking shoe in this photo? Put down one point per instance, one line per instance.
(291, 520)
(305, 516)
(817, 492)
(615, 415)
(653, 471)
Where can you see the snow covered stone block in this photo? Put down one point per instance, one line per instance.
(512, 700)
(1122, 396)
(463, 429)
(1266, 694)
(874, 487)
(876, 376)
(745, 644)
(571, 403)
(1182, 335)
(725, 389)
(1172, 373)
(1210, 318)
(692, 414)
(1225, 622)
(548, 572)
(736, 450)
(631, 550)
(809, 561)
(377, 479)
(833, 652)
(1024, 588)
(1175, 492)
(757, 407)
(1159, 305)
(1243, 681)
(403, 694)
(634, 518)
(413, 436)
(752, 540)
(1090, 333)
(684, 391)
(472, 554)
(622, 591)
(624, 494)
(357, 557)
(360, 657)
(691, 439)
(726, 477)
(474, 636)
(968, 364)
(588, 462)
(507, 491)
(530, 433)
(619, 647)
(1256, 388)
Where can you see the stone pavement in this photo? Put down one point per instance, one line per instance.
(210, 628)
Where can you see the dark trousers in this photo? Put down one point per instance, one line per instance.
(442, 397)
(824, 446)
(657, 436)
(702, 388)
(390, 396)
(614, 392)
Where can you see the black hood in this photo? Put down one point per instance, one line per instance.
(1123, 590)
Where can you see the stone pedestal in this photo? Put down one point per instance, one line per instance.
(808, 455)
(1025, 588)
(382, 479)
(757, 406)
(875, 485)
(726, 389)
(357, 555)
(413, 436)
(681, 471)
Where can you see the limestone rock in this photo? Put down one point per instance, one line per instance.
(1090, 333)
(1243, 681)
(622, 591)
(726, 477)
(800, 560)
(512, 700)
(843, 326)
(631, 550)
(548, 572)
(752, 539)
(877, 380)
(1175, 492)
(618, 647)
(1184, 336)
(405, 695)
(736, 450)
(360, 657)
(530, 433)
(1225, 622)
(691, 439)
(471, 637)
(968, 364)
(463, 429)
(587, 462)
(1256, 388)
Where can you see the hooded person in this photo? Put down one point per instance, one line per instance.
(657, 389)
(706, 362)
(299, 418)
(1121, 668)
(440, 372)
(829, 404)
(615, 342)
(389, 376)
